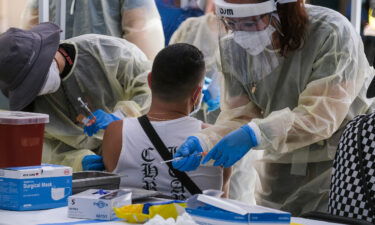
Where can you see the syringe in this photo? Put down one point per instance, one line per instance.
(84, 105)
(181, 157)
(87, 121)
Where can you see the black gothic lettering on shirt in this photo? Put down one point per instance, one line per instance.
(177, 186)
(149, 171)
(147, 154)
(179, 196)
(172, 149)
(149, 185)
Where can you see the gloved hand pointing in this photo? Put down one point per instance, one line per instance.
(103, 119)
(232, 147)
(190, 150)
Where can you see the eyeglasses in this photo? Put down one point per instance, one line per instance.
(253, 23)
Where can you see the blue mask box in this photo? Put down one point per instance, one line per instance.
(35, 187)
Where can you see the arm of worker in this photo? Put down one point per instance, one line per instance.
(128, 68)
(59, 150)
(339, 71)
(132, 75)
(136, 93)
(338, 76)
(236, 110)
(141, 25)
(112, 145)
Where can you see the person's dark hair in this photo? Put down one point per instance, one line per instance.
(176, 72)
(294, 22)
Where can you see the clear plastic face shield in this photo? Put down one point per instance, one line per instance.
(193, 4)
(249, 39)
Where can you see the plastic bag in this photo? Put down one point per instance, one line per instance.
(139, 213)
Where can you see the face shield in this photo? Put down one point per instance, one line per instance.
(193, 4)
(248, 39)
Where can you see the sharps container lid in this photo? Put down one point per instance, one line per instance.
(21, 118)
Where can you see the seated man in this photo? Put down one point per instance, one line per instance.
(202, 32)
(176, 82)
(39, 74)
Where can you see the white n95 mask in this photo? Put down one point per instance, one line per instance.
(53, 80)
(254, 42)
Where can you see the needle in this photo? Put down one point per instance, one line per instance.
(181, 157)
(84, 105)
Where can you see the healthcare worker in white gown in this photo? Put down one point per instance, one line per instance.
(293, 75)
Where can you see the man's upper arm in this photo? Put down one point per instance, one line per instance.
(112, 145)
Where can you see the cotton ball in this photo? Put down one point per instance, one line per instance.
(157, 220)
(170, 221)
(185, 219)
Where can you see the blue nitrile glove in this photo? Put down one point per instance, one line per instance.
(190, 150)
(103, 119)
(92, 162)
(211, 95)
(232, 147)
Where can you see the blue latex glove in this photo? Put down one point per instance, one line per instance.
(232, 147)
(211, 93)
(190, 150)
(103, 119)
(92, 162)
(212, 104)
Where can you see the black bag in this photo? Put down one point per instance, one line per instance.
(353, 175)
(166, 155)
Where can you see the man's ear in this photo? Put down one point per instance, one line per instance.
(149, 79)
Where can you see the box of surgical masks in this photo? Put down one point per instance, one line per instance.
(97, 204)
(35, 187)
(209, 210)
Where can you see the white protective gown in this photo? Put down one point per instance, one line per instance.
(108, 73)
(300, 109)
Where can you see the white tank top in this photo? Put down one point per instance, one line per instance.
(139, 162)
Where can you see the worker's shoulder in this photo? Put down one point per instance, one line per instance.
(327, 24)
(99, 40)
(194, 22)
(328, 19)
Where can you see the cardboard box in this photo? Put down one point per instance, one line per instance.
(35, 187)
(97, 203)
(208, 210)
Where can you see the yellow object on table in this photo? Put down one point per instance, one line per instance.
(139, 213)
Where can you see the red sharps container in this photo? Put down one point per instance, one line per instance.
(21, 138)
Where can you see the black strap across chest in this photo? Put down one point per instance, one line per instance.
(166, 155)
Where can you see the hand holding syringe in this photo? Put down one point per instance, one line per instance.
(86, 120)
(181, 157)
